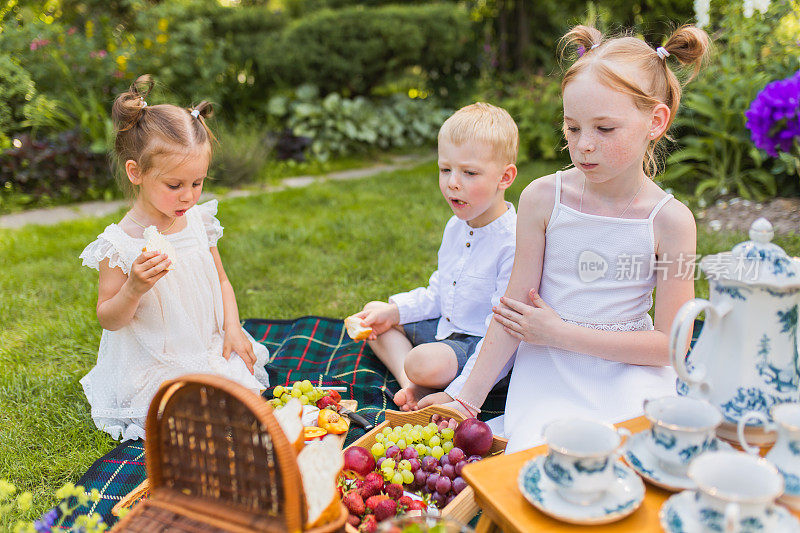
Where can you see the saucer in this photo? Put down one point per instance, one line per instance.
(642, 460)
(677, 516)
(622, 498)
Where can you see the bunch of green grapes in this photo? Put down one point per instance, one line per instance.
(304, 391)
(398, 451)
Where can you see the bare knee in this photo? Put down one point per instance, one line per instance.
(431, 365)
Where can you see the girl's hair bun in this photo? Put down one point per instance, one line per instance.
(690, 46)
(582, 38)
(204, 109)
(130, 105)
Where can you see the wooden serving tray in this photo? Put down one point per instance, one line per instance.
(506, 509)
(463, 508)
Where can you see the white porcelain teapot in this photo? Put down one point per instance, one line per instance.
(746, 358)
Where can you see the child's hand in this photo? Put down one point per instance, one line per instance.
(534, 324)
(146, 270)
(380, 316)
(237, 341)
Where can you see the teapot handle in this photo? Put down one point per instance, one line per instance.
(679, 337)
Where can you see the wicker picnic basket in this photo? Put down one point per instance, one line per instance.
(217, 460)
(463, 507)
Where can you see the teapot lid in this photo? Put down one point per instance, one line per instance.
(755, 262)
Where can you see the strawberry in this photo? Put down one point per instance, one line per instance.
(394, 490)
(417, 505)
(373, 477)
(373, 501)
(326, 401)
(335, 395)
(404, 501)
(369, 524)
(354, 503)
(385, 509)
(353, 520)
(371, 489)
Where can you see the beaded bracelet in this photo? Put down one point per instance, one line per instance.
(469, 406)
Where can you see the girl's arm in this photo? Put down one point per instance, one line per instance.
(118, 294)
(535, 207)
(676, 238)
(235, 339)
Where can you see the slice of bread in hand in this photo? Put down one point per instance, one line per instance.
(288, 418)
(355, 330)
(320, 463)
(156, 242)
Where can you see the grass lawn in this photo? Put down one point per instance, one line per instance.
(325, 250)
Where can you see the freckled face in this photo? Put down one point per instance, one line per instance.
(469, 178)
(173, 185)
(607, 135)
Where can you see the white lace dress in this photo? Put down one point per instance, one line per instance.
(176, 330)
(598, 272)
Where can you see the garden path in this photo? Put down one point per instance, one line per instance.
(54, 215)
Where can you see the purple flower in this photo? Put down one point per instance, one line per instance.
(48, 520)
(581, 50)
(774, 116)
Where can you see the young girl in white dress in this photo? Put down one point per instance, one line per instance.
(160, 322)
(592, 243)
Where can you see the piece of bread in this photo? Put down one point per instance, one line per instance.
(288, 418)
(320, 463)
(156, 242)
(355, 330)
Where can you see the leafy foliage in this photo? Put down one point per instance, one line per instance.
(535, 104)
(338, 125)
(715, 155)
(61, 169)
(356, 49)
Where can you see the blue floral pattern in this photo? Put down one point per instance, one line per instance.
(591, 466)
(794, 447)
(662, 439)
(791, 481)
(557, 473)
(733, 292)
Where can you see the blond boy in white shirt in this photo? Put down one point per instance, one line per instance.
(426, 336)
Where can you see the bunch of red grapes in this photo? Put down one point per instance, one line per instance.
(439, 478)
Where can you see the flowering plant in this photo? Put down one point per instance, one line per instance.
(774, 117)
(72, 498)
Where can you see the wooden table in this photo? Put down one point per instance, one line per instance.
(505, 509)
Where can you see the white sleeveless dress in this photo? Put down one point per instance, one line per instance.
(598, 273)
(176, 330)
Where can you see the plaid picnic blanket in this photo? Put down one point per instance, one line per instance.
(311, 347)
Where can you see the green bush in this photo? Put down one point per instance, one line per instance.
(714, 154)
(534, 102)
(356, 49)
(340, 126)
(16, 89)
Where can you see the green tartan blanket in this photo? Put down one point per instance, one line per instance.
(310, 347)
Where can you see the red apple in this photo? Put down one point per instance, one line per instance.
(473, 437)
(359, 461)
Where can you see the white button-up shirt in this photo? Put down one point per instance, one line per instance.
(473, 271)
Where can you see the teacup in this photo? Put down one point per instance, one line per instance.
(682, 429)
(581, 457)
(735, 491)
(785, 454)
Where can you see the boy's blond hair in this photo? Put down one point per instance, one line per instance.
(481, 122)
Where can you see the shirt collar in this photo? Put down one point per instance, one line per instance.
(502, 223)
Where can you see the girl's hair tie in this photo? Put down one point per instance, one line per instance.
(594, 46)
(195, 113)
(662, 52)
